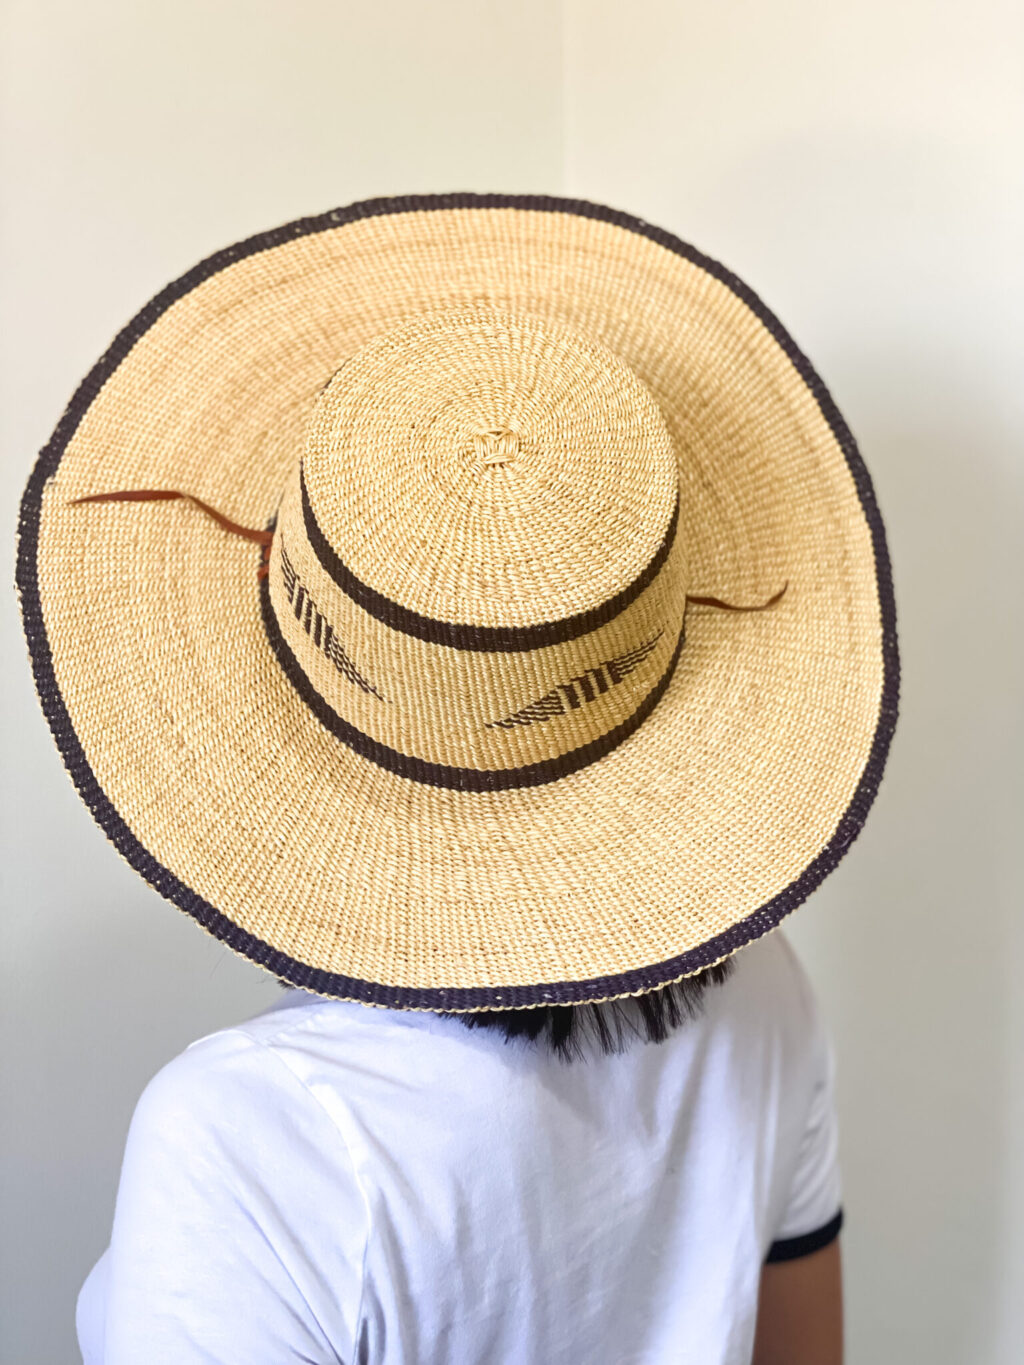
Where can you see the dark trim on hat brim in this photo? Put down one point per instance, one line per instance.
(488, 639)
(789, 1248)
(442, 774)
(315, 979)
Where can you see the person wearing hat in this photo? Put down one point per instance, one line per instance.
(497, 644)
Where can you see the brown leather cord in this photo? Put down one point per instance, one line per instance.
(265, 538)
(728, 606)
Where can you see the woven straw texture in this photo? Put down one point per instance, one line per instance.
(496, 413)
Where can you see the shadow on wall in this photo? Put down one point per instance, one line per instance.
(897, 249)
(927, 939)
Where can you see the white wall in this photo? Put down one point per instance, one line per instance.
(860, 167)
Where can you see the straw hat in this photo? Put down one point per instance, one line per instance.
(423, 695)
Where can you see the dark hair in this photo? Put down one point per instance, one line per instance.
(611, 1024)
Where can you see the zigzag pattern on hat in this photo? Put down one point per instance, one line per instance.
(570, 695)
(316, 625)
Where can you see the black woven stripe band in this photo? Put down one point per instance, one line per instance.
(490, 639)
(441, 774)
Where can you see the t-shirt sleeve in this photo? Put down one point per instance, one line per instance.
(813, 1214)
(208, 1258)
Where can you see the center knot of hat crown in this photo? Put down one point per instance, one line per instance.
(496, 447)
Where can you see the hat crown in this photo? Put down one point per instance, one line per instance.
(476, 578)
(489, 468)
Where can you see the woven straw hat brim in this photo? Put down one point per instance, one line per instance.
(739, 792)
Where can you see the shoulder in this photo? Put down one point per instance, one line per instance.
(228, 1058)
(235, 1189)
(772, 978)
(772, 998)
(233, 1081)
(225, 1126)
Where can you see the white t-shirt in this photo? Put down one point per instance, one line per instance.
(336, 1183)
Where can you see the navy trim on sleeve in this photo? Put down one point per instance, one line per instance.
(788, 1248)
